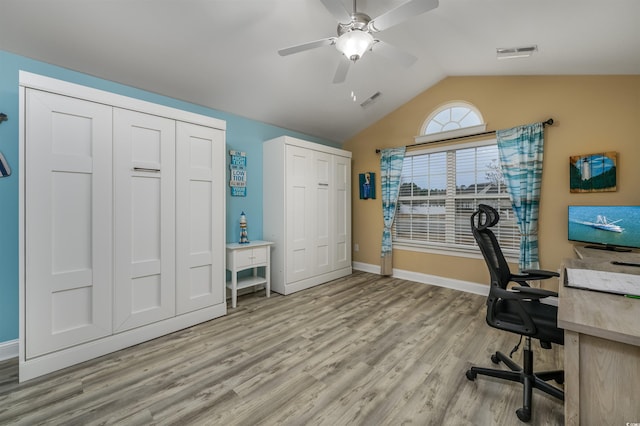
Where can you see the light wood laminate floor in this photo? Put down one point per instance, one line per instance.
(362, 350)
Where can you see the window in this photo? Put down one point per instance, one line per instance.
(452, 117)
(451, 120)
(442, 186)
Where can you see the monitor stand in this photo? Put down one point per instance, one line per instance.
(609, 248)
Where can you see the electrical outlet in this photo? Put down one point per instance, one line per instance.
(356, 247)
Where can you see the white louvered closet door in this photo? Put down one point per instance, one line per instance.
(144, 176)
(68, 221)
(200, 227)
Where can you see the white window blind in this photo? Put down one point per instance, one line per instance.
(442, 187)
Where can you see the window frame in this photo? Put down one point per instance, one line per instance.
(451, 196)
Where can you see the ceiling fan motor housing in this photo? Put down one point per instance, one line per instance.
(359, 21)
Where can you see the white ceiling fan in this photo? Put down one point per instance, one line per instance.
(356, 36)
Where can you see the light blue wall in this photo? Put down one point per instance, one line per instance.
(242, 134)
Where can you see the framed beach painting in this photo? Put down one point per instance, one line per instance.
(593, 172)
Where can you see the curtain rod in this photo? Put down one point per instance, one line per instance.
(549, 122)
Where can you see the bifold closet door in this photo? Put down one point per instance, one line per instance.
(68, 221)
(200, 226)
(324, 203)
(144, 177)
(300, 213)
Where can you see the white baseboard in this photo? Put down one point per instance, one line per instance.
(466, 286)
(8, 349)
(366, 267)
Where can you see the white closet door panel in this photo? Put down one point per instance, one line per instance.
(200, 238)
(342, 224)
(144, 171)
(324, 212)
(68, 221)
(70, 162)
(300, 213)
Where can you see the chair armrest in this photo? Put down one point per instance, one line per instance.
(522, 293)
(541, 272)
(533, 275)
(540, 292)
(516, 294)
(518, 299)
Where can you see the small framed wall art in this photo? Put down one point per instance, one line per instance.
(367, 183)
(593, 172)
(238, 173)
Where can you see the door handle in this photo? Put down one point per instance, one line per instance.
(146, 169)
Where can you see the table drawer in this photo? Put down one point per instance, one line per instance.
(260, 255)
(250, 256)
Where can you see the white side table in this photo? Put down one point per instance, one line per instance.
(241, 257)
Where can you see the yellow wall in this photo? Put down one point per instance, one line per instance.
(592, 114)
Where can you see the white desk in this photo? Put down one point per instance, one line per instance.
(241, 257)
(601, 346)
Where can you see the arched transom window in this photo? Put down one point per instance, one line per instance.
(453, 119)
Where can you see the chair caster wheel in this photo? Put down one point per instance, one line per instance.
(471, 375)
(495, 359)
(523, 415)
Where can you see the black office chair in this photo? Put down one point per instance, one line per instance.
(519, 311)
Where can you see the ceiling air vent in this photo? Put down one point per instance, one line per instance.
(370, 100)
(515, 52)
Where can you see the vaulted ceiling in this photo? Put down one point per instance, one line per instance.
(223, 53)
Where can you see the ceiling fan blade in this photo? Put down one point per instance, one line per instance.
(336, 8)
(307, 46)
(394, 54)
(401, 13)
(341, 71)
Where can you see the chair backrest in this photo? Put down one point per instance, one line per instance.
(481, 221)
(518, 315)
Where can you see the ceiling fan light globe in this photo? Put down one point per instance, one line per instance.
(354, 43)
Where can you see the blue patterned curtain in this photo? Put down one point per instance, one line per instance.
(390, 172)
(521, 162)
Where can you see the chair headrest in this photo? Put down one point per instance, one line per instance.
(487, 216)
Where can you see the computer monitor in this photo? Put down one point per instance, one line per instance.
(605, 227)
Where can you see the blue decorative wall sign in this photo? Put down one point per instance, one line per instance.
(238, 175)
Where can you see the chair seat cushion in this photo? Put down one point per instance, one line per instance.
(544, 316)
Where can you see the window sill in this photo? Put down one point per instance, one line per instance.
(448, 251)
